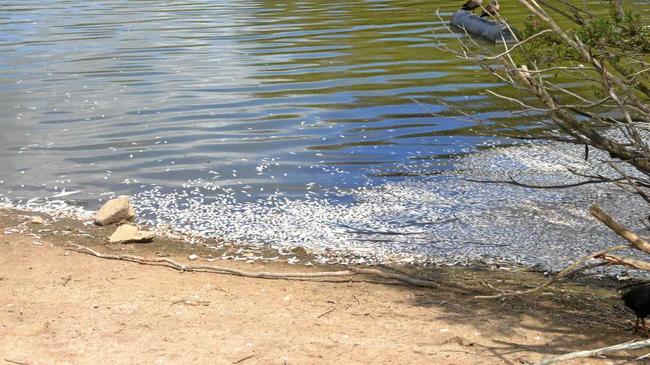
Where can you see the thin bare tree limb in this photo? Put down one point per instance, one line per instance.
(633, 182)
(518, 44)
(625, 261)
(636, 241)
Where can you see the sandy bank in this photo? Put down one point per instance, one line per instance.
(58, 306)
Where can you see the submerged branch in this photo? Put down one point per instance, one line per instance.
(534, 186)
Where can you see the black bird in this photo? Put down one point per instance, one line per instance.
(470, 5)
(491, 10)
(638, 300)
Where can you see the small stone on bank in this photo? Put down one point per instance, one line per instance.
(115, 210)
(37, 220)
(192, 257)
(129, 233)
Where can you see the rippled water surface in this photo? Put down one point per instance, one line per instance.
(251, 95)
(313, 123)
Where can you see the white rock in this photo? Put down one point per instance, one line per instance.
(192, 257)
(115, 210)
(37, 220)
(129, 233)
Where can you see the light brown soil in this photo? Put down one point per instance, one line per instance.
(58, 306)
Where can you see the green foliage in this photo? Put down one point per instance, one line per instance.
(623, 31)
(543, 50)
(610, 36)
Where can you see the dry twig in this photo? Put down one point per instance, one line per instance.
(16, 362)
(326, 312)
(243, 359)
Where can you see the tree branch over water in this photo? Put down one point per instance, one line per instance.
(590, 82)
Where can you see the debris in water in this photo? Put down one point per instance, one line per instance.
(64, 193)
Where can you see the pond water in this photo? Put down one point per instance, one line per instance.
(301, 123)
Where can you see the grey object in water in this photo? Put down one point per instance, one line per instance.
(488, 29)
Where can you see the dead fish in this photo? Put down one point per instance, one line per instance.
(65, 193)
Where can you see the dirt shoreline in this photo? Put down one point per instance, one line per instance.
(64, 307)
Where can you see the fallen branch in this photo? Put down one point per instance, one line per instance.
(598, 352)
(163, 261)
